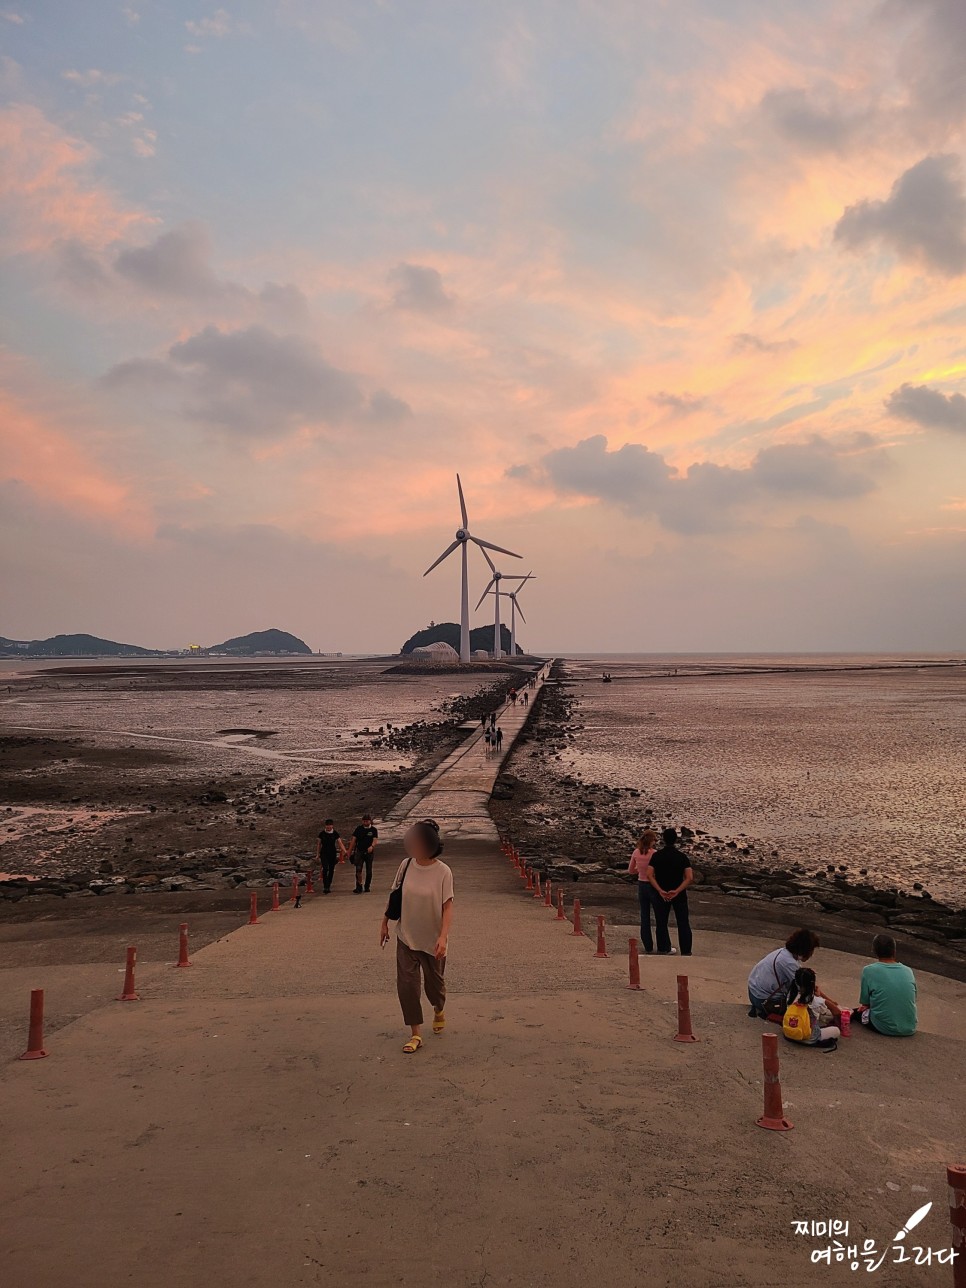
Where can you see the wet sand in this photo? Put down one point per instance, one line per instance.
(860, 768)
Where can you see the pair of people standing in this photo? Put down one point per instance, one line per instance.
(331, 851)
(663, 877)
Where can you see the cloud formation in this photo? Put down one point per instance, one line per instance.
(923, 219)
(703, 498)
(748, 342)
(47, 193)
(418, 288)
(928, 407)
(255, 383)
(679, 404)
(808, 122)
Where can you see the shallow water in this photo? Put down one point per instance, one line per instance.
(859, 767)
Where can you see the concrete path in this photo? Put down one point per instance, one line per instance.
(252, 1121)
(457, 792)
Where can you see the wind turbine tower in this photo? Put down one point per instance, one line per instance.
(493, 588)
(462, 540)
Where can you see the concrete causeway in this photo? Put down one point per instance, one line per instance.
(252, 1121)
(457, 791)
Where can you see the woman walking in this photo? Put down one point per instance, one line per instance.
(640, 861)
(421, 904)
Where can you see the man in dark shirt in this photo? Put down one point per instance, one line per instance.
(329, 852)
(670, 874)
(361, 849)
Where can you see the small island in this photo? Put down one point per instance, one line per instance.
(481, 638)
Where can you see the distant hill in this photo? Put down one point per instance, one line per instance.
(72, 646)
(481, 637)
(91, 646)
(272, 641)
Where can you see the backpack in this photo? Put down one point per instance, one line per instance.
(797, 1024)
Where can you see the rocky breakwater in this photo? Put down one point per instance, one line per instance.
(584, 832)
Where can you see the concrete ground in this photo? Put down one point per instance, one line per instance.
(252, 1121)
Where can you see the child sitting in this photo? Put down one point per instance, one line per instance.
(804, 997)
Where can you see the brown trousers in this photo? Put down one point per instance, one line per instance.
(409, 964)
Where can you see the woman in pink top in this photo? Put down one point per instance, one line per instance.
(640, 860)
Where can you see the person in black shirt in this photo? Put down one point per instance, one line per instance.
(329, 852)
(361, 849)
(669, 872)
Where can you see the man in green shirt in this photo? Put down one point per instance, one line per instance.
(887, 1002)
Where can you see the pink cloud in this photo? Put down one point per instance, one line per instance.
(41, 446)
(48, 192)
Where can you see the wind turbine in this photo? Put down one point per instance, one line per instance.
(493, 588)
(514, 609)
(463, 538)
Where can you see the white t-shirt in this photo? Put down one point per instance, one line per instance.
(425, 890)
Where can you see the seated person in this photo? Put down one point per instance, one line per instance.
(775, 972)
(887, 1001)
(822, 1011)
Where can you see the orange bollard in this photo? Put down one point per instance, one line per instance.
(529, 875)
(774, 1116)
(547, 900)
(561, 915)
(537, 892)
(684, 1033)
(956, 1176)
(253, 909)
(295, 889)
(601, 945)
(309, 887)
(129, 995)
(577, 927)
(183, 945)
(35, 1034)
(275, 904)
(633, 965)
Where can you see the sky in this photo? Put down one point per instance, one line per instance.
(677, 286)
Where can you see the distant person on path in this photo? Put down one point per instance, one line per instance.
(487, 738)
(640, 862)
(422, 929)
(361, 849)
(526, 699)
(499, 738)
(887, 1001)
(774, 974)
(806, 1003)
(669, 873)
(329, 851)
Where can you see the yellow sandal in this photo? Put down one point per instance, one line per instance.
(413, 1045)
(439, 1021)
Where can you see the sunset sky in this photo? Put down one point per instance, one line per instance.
(677, 286)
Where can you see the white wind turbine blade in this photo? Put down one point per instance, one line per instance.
(459, 485)
(489, 586)
(488, 545)
(518, 608)
(446, 553)
(487, 558)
